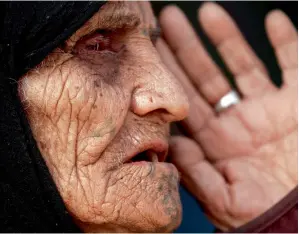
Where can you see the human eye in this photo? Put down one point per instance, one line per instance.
(99, 41)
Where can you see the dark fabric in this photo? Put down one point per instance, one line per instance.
(29, 31)
(281, 218)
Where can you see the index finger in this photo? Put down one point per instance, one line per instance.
(199, 110)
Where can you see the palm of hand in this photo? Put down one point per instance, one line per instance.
(254, 147)
(241, 162)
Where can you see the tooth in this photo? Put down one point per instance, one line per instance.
(153, 156)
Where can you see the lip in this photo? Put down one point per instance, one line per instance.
(159, 146)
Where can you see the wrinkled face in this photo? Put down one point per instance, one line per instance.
(99, 108)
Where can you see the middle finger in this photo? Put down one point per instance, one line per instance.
(249, 72)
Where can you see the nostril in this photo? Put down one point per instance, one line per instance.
(163, 115)
(162, 111)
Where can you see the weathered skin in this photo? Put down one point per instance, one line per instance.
(240, 162)
(94, 101)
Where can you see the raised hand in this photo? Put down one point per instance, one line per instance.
(241, 161)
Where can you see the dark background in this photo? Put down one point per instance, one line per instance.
(249, 16)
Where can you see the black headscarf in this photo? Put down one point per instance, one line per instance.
(29, 31)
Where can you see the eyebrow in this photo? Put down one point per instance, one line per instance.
(112, 17)
(115, 16)
(119, 16)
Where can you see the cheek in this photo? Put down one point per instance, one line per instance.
(75, 102)
(101, 119)
(103, 113)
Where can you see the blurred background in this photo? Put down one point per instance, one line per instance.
(249, 16)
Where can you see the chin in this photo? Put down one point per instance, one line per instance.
(142, 197)
(157, 223)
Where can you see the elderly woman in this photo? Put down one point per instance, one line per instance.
(99, 107)
(86, 104)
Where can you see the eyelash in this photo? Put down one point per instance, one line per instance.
(104, 41)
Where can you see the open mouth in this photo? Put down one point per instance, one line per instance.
(148, 156)
(153, 151)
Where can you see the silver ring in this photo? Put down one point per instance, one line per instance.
(231, 98)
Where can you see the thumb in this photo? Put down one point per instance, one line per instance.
(199, 176)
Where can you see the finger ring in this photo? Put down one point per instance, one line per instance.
(231, 98)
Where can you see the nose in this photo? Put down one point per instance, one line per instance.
(159, 91)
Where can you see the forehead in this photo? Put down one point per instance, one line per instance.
(115, 15)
